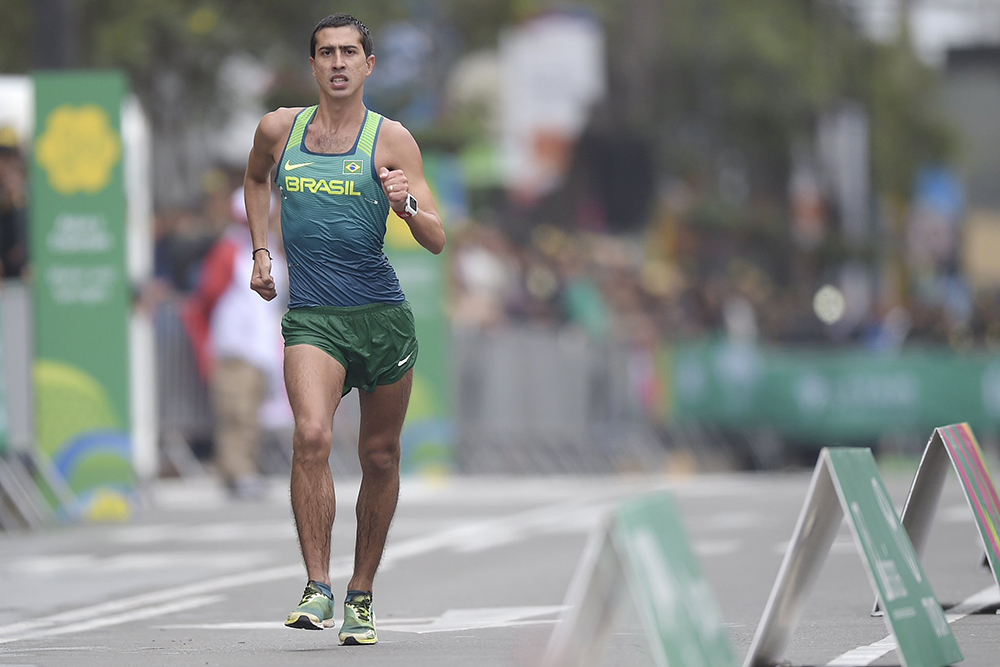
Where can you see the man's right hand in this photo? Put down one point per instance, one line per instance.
(261, 280)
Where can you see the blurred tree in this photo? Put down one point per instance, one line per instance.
(712, 76)
(719, 90)
(15, 33)
(173, 51)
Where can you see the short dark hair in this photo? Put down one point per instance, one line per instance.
(339, 21)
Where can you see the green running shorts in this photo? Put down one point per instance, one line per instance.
(376, 343)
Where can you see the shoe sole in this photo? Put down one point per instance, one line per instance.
(308, 622)
(351, 640)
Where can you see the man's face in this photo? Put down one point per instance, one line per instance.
(340, 65)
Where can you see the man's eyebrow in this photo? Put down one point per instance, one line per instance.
(338, 46)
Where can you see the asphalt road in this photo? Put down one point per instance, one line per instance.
(475, 573)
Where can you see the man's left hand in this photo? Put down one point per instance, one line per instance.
(396, 187)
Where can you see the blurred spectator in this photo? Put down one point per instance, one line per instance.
(180, 244)
(237, 341)
(13, 207)
(485, 273)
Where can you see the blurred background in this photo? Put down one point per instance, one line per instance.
(684, 235)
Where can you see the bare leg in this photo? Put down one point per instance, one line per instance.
(382, 414)
(314, 381)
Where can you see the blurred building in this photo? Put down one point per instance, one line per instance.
(935, 26)
(971, 98)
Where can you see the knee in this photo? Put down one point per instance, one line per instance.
(380, 456)
(312, 442)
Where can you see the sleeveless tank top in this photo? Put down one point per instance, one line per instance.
(333, 217)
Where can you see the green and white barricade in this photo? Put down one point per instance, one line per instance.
(846, 482)
(641, 549)
(958, 444)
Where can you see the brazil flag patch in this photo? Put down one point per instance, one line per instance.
(354, 166)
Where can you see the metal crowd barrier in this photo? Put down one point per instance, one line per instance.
(528, 401)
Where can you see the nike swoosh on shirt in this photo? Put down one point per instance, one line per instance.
(289, 166)
(405, 359)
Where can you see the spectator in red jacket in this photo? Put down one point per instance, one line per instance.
(237, 340)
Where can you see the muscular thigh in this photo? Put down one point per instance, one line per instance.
(384, 409)
(314, 381)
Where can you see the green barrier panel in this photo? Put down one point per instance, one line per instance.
(675, 601)
(829, 396)
(643, 549)
(81, 292)
(846, 483)
(914, 615)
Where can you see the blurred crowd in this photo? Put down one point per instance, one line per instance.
(678, 281)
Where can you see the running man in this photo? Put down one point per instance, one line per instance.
(340, 168)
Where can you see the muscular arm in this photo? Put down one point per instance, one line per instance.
(401, 165)
(271, 132)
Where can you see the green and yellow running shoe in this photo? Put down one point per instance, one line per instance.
(359, 620)
(314, 612)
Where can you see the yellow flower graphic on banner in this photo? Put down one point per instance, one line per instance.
(79, 149)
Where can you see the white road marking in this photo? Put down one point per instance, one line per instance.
(199, 495)
(716, 547)
(473, 619)
(466, 536)
(45, 566)
(451, 621)
(728, 521)
(246, 625)
(229, 531)
(126, 617)
(865, 655)
(475, 538)
(55, 649)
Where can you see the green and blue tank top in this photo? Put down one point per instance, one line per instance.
(333, 217)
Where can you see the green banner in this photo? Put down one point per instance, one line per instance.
(428, 433)
(80, 288)
(922, 633)
(675, 601)
(830, 396)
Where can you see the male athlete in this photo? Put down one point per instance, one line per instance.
(340, 168)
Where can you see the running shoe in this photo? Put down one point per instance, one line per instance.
(314, 612)
(359, 620)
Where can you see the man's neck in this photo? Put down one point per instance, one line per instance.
(335, 116)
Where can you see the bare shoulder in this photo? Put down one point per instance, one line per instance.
(396, 141)
(275, 125)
